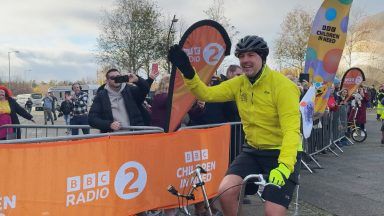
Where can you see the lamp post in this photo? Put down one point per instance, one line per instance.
(9, 67)
(169, 33)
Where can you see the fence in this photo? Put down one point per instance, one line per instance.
(41, 130)
(323, 138)
(330, 129)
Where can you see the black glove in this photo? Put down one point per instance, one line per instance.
(180, 59)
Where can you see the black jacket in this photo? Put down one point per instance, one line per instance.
(17, 109)
(28, 104)
(100, 115)
(66, 107)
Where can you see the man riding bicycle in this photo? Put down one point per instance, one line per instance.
(268, 105)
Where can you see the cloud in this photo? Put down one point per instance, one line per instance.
(50, 64)
(56, 39)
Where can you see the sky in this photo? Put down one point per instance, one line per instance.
(56, 39)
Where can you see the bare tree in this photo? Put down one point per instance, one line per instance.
(132, 35)
(21, 87)
(291, 43)
(357, 32)
(216, 12)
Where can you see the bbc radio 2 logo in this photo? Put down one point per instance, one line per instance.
(130, 181)
(212, 53)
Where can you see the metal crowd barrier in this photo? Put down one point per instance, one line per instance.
(123, 131)
(38, 131)
(324, 138)
(331, 128)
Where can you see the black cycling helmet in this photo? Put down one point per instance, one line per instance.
(252, 43)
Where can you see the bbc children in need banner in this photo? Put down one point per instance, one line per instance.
(325, 48)
(118, 175)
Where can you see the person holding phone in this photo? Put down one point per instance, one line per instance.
(117, 103)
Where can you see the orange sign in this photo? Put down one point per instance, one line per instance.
(119, 175)
(352, 79)
(206, 43)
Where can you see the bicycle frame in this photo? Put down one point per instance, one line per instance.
(353, 123)
(190, 196)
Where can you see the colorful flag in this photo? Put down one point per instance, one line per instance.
(307, 106)
(325, 47)
(206, 43)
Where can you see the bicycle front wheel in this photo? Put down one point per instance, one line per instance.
(359, 135)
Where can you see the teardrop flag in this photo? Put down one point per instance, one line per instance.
(306, 109)
(206, 43)
(352, 79)
(325, 48)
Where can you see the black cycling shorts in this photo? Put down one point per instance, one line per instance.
(252, 161)
(382, 125)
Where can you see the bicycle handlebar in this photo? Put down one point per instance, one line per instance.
(260, 180)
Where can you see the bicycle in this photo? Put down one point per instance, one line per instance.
(261, 182)
(356, 133)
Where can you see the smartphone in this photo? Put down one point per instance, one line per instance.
(303, 77)
(155, 68)
(121, 79)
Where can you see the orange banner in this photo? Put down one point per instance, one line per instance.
(351, 81)
(206, 43)
(119, 175)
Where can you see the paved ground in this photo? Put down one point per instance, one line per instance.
(351, 184)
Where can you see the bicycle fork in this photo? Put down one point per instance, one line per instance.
(206, 200)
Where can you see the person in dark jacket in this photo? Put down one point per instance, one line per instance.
(54, 103)
(66, 108)
(28, 105)
(117, 105)
(9, 109)
(146, 107)
(159, 103)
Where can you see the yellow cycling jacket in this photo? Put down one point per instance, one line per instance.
(269, 110)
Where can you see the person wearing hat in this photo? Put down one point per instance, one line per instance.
(268, 105)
